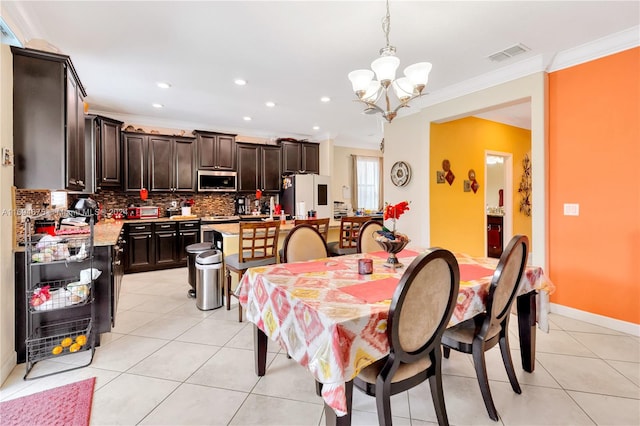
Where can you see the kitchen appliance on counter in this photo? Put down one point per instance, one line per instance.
(144, 212)
(242, 205)
(302, 193)
(85, 207)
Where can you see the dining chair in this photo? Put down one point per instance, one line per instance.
(366, 237)
(348, 239)
(257, 244)
(418, 315)
(322, 225)
(482, 332)
(304, 242)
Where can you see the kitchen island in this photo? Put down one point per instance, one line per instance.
(225, 237)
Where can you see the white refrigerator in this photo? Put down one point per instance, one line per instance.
(307, 192)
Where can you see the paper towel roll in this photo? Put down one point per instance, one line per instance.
(302, 210)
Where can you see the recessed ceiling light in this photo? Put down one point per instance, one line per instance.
(316, 127)
(270, 104)
(157, 105)
(163, 85)
(325, 99)
(247, 118)
(240, 81)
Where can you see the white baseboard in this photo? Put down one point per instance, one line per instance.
(601, 320)
(7, 367)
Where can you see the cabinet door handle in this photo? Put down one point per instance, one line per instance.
(117, 262)
(149, 236)
(165, 226)
(139, 227)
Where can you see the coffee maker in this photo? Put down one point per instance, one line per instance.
(242, 205)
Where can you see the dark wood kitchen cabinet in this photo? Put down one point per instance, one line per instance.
(495, 235)
(216, 151)
(259, 167)
(103, 137)
(48, 106)
(300, 157)
(158, 245)
(165, 243)
(159, 163)
(172, 164)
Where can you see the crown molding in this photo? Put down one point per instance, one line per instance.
(605, 46)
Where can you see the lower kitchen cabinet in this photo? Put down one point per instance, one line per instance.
(158, 245)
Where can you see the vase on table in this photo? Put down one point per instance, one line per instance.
(393, 247)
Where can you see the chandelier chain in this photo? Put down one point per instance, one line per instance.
(386, 24)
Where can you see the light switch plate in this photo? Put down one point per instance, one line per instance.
(7, 157)
(571, 209)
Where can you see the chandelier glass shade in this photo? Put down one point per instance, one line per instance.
(372, 87)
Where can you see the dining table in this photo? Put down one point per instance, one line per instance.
(332, 320)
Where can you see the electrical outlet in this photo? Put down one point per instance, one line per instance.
(571, 209)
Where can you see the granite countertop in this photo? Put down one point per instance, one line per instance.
(106, 233)
(162, 219)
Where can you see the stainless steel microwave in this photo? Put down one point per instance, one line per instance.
(210, 181)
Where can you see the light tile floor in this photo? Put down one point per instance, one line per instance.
(167, 363)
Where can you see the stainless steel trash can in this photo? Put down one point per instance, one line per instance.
(209, 280)
(192, 251)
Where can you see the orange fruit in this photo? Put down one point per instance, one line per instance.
(74, 348)
(57, 350)
(67, 341)
(81, 340)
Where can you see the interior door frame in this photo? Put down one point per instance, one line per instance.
(507, 220)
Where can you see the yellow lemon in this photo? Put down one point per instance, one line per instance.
(81, 340)
(74, 348)
(67, 341)
(57, 350)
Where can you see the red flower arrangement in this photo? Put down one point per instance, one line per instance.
(187, 202)
(393, 212)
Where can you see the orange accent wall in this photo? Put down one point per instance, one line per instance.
(594, 157)
(458, 217)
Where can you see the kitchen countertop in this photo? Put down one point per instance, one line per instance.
(233, 229)
(106, 233)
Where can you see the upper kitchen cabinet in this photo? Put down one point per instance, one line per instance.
(48, 128)
(259, 167)
(300, 157)
(216, 151)
(102, 135)
(159, 163)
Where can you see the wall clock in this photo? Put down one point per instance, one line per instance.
(400, 173)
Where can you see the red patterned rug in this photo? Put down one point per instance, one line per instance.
(65, 405)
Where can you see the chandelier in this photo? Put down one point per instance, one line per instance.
(371, 92)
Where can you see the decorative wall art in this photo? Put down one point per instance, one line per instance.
(473, 183)
(449, 176)
(467, 186)
(440, 176)
(525, 186)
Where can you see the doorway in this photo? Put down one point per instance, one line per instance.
(498, 195)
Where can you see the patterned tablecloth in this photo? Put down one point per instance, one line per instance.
(328, 321)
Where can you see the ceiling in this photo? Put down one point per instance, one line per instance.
(295, 52)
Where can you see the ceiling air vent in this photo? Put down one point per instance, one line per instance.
(509, 52)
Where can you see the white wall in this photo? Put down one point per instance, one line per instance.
(408, 139)
(7, 313)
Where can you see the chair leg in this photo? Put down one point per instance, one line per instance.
(437, 395)
(228, 292)
(508, 363)
(383, 403)
(239, 312)
(446, 350)
(483, 380)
